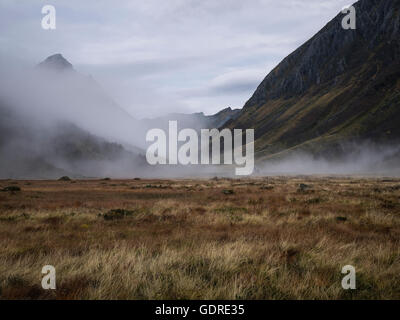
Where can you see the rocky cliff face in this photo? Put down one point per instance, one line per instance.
(340, 83)
(334, 51)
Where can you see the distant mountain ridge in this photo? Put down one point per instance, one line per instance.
(195, 121)
(340, 85)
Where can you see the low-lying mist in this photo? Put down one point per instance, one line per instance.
(361, 158)
(59, 122)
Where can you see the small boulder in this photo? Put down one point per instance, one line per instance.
(11, 189)
(64, 178)
(303, 187)
(116, 214)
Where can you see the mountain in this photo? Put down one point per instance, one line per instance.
(56, 62)
(222, 117)
(79, 99)
(339, 86)
(195, 121)
(64, 124)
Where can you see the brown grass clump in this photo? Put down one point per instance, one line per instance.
(275, 238)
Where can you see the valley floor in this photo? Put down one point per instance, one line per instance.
(266, 238)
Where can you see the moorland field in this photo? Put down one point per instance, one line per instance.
(261, 238)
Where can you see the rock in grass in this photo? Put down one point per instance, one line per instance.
(303, 187)
(64, 178)
(266, 187)
(117, 214)
(228, 191)
(11, 189)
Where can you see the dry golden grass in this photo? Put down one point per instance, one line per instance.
(201, 239)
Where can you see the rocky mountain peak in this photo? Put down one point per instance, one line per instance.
(56, 62)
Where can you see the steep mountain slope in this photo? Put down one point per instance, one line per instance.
(341, 85)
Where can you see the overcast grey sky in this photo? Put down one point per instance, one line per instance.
(160, 56)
